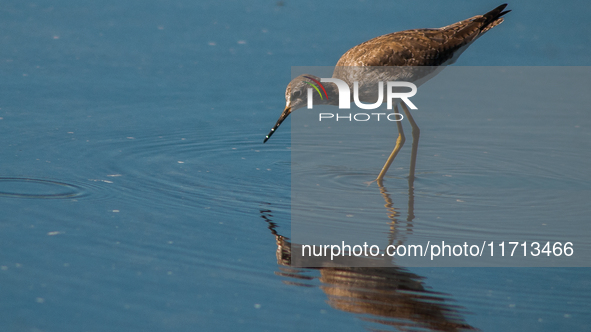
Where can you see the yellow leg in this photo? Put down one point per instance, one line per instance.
(399, 143)
(416, 133)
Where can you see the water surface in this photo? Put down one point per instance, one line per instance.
(136, 193)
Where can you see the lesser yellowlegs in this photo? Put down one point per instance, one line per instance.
(420, 47)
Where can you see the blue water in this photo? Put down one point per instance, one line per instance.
(136, 193)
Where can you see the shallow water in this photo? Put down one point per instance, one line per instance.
(136, 193)
(476, 183)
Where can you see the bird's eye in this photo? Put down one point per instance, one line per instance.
(297, 94)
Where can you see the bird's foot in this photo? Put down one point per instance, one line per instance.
(378, 181)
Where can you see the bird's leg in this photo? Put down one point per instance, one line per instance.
(416, 132)
(399, 143)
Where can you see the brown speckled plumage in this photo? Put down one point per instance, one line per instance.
(422, 47)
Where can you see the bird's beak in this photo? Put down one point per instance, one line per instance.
(283, 116)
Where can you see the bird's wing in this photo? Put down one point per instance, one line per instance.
(422, 47)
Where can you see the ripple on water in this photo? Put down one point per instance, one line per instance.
(196, 169)
(38, 188)
(458, 194)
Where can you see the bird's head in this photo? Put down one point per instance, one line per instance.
(296, 97)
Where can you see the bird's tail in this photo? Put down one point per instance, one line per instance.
(493, 18)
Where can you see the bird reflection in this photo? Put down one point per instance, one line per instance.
(387, 295)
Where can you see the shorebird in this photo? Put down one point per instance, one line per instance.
(431, 49)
